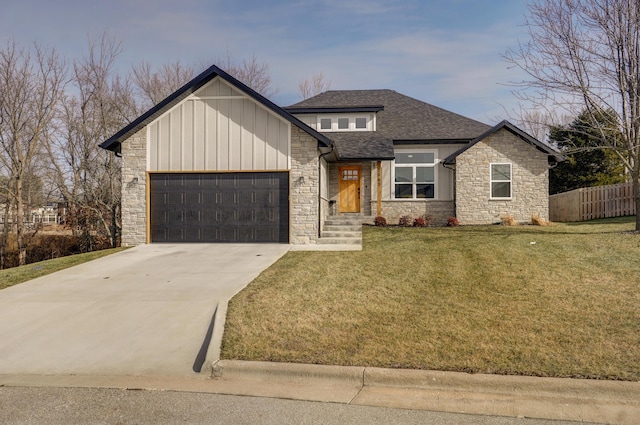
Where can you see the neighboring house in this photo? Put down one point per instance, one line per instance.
(218, 162)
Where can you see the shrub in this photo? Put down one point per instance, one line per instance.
(508, 220)
(537, 221)
(380, 221)
(405, 221)
(453, 222)
(419, 222)
(428, 220)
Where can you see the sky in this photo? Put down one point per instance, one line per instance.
(444, 52)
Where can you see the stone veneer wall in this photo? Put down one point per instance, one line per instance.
(439, 211)
(134, 193)
(530, 181)
(304, 213)
(305, 194)
(365, 184)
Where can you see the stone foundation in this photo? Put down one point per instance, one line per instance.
(439, 211)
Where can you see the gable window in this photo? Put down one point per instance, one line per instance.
(414, 175)
(501, 181)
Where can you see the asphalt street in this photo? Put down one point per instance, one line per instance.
(64, 406)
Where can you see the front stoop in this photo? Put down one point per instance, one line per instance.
(342, 229)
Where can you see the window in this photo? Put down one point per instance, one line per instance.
(414, 175)
(345, 122)
(500, 181)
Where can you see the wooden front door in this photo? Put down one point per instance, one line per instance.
(349, 189)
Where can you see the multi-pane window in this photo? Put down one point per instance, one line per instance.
(414, 175)
(500, 181)
(348, 122)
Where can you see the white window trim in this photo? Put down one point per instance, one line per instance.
(352, 122)
(491, 181)
(436, 161)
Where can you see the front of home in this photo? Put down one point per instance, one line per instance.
(217, 162)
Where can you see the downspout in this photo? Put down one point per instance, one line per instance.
(455, 192)
(379, 188)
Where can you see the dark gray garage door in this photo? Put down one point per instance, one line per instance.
(220, 207)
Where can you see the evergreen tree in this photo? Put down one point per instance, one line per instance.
(586, 165)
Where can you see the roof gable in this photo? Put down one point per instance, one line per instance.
(552, 153)
(114, 142)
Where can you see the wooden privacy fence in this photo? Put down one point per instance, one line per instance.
(592, 202)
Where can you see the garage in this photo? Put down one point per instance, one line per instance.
(219, 207)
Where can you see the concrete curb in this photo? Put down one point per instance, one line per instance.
(295, 381)
(288, 372)
(215, 345)
(611, 402)
(220, 317)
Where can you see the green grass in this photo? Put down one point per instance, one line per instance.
(543, 301)
(16, 275)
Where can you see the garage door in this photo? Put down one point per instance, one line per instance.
(219, 207)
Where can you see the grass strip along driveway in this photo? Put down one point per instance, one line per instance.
(545, 301)
(16, 275)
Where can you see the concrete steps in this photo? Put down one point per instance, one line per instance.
(342, 229)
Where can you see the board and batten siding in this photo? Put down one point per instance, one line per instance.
(219, 128)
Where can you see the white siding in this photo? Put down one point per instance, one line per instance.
(310, 120)
(445, 177)
(219, 128)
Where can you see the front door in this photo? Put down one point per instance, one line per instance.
(349, 189)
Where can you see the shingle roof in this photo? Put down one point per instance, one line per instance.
(362, 145)
(403, 117)
(113, 143)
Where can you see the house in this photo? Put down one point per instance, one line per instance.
(217, 162)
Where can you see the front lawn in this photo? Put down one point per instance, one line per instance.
(545, 301)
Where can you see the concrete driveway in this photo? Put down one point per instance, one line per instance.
(148, 310)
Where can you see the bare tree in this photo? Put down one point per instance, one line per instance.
(311, 87)
(31, 82)
(6, 202)
(153, 86)
(584, 55)
(251, 72)
(87, 177)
